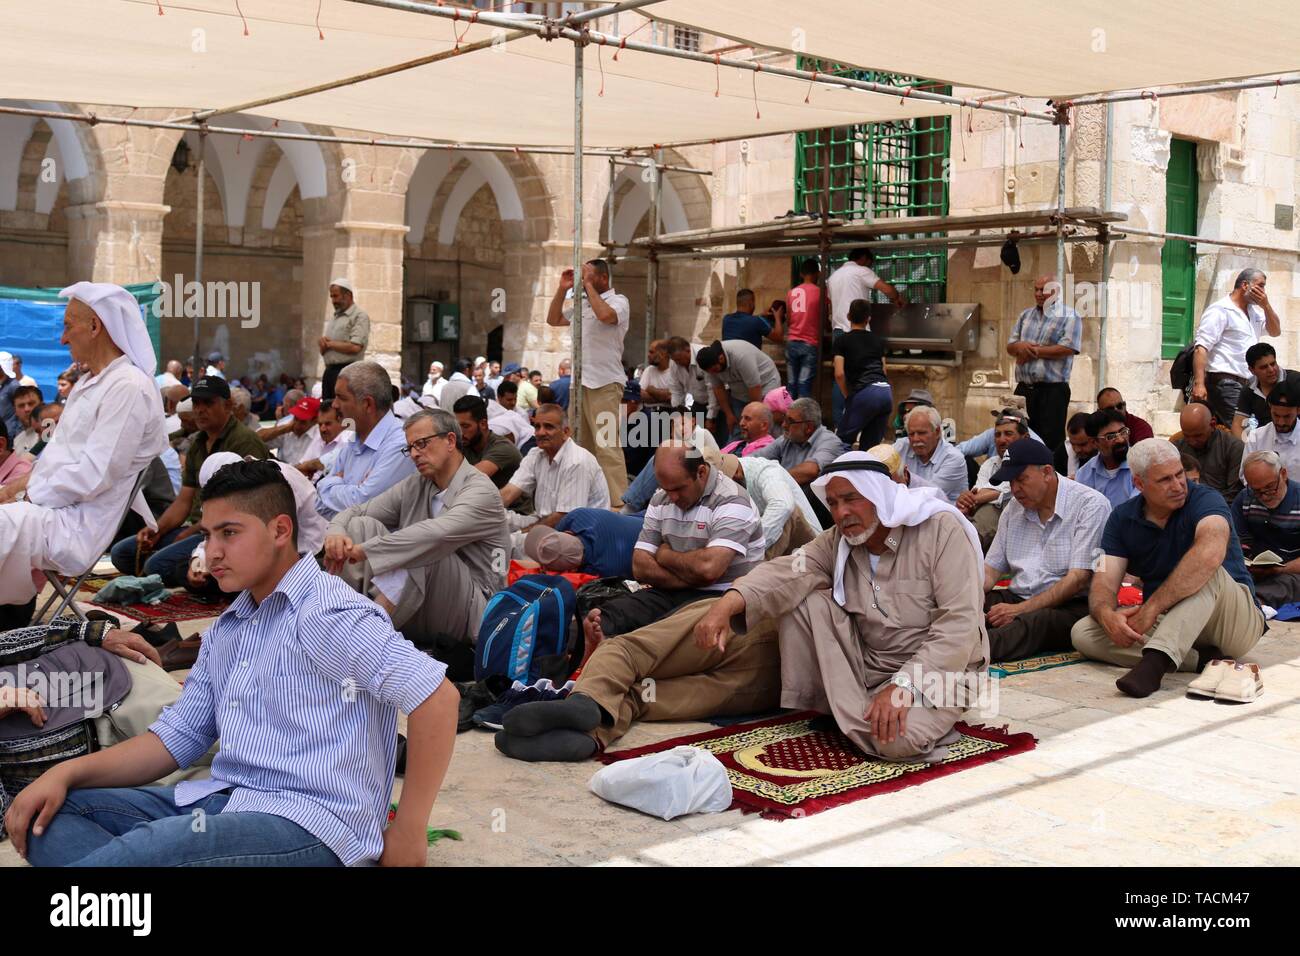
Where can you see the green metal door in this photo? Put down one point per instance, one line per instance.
(1178, 258)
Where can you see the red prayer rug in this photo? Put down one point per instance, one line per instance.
(180, 606)
(780, 768)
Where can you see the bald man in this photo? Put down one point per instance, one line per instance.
(755, 430)
(1217, 451)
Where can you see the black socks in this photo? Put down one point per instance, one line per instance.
(551, 729)
(1144, 679)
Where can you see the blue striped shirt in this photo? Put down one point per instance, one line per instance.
(1058, 325)
(1261, 528)
(303, 692)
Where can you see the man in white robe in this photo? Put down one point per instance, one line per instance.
(112, 428)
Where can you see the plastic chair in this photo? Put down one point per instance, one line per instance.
(67, 593)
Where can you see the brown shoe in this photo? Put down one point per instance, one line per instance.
(177, 655)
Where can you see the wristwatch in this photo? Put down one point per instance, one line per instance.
(905, 682)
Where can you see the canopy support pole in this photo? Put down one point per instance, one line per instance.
(199, 365)
(575, 394)
(652, 267)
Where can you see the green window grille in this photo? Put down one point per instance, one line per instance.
(879, 171)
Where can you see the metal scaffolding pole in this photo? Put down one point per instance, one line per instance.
(198, 259)
(1060, 201)
(575, 393)
(1104, 304)
(652, 267)
(557, 30)
(1230, 243)
(1226, 86)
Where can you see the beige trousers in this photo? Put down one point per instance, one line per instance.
(985, 519)
(598, 404)
(796, 533)
(657, 673)
(1220, 614)
(822, 669)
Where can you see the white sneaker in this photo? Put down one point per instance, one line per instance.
(1207, 682)
(1242, 684)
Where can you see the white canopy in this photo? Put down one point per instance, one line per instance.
(195, 55)
(1038, 48)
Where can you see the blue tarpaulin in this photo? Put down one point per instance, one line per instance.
(31, 324)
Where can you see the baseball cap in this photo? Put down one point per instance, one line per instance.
(553, 550)
(306, 409)
(210, 386)
(511, 369)
(1285, 393)
(1022, 453)
(216, 357)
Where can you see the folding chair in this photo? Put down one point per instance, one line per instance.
(67, 593)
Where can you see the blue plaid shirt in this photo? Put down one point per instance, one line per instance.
(303, 691)
(1059, 325)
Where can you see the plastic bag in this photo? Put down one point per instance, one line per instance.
(667, 785)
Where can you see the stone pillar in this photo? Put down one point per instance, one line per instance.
(115, 241)
(370, 255)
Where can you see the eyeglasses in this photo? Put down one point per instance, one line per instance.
(1270, 490)
(422, 443)
(1114, 436)
(1121, 407)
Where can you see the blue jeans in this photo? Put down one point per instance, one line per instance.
(837, 397)
(143, 826)
(800, 367)
(637, 497)
(170, 559)
(866, 415)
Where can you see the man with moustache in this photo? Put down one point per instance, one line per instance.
(1108, 472)
(877, 615)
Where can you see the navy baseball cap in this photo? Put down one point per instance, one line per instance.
(1022, 453)
(210, 386)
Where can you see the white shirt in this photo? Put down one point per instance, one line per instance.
(775, 494)
(434, 388)
(652, 377)
(850, 281)
(689, 384)
(511, 423)
(111, 429)
(166, 380)
(602, 344)
(326, 453)
(571, 480)
(1266, 438)
(1226, 332)
(984, 480)
(292, 449)
(26, 440)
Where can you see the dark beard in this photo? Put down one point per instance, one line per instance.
(1119, 454)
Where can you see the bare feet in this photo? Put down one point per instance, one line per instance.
(592, 633)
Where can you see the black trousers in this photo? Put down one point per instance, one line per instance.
(328, 379)
(627, 612)
(1035, 632)
(1048, 405)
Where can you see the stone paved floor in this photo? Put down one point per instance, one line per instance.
(1167, 781)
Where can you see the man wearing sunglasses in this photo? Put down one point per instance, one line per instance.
(1139, 429)
(431, 549)
(1108, 472)
(1267, 518)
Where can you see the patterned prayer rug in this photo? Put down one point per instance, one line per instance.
(1030, 664)
(181, 606)
(781, 768)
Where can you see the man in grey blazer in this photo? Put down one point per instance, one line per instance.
(434, 547)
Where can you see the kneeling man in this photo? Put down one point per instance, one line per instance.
(880, 617)
(1199, 598)
(432, 548)
(301, 679)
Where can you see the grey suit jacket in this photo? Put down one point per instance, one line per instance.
(471, 526)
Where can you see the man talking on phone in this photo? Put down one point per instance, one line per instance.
(1228, 328)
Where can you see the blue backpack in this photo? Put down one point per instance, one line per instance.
(525, 627)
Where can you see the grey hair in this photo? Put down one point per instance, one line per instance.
(242, 398)
(370, 379)
(553, 409)
(807, 408)
(1152, 451)
(1246, 277)
(1270, 458)
(293, 397)
(443, 422)
(930, 412)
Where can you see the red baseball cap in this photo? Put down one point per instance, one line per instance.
(306, 409)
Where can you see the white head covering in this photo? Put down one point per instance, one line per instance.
(316, 390)
(120, 313)
(7, 364)
(480, 361)
(214, 463)
(896, 506)
(342, 282)
(185, 406)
